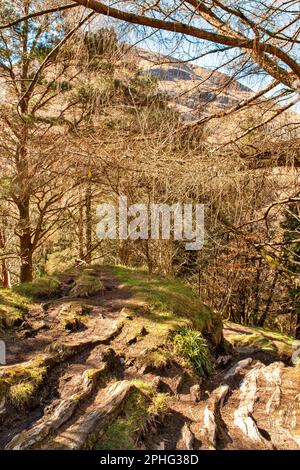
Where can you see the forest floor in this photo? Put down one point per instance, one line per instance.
(97, 369)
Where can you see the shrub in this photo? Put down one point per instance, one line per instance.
(191, 345)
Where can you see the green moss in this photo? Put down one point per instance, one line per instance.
(10, 317)
(74, 316)
(142, 406)
(21, 393)
(254, 337)
(157, 359)
(13, 308)
(20, 383)
(40, 288)
(87, 284)
(167, 300)
(194, 349)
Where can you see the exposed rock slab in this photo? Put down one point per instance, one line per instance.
(65, 409)
(248, 396)
(211, 414)
(93, 421)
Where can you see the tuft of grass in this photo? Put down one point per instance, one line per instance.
(87, 284)
(191, 345)
(141, 408)
(41, 288)
(158, 359)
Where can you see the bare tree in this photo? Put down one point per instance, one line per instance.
(30, 117)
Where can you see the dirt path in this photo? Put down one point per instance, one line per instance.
(106, 307)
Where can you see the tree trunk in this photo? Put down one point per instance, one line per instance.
(264, 316)
(88, 233)
(26, 248)
(80, 230)
(257, 292)
(297, 331)
(5, 275)
(5, 270)
(22, 162)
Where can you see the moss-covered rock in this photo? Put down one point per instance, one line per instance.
(253, 337)
(19, 383)
(87, 283)
(13, 310)
(74, 316)
(39, 289)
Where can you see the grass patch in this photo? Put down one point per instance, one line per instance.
(13, 308)
(86, 284)
(191, 345)
(163, 305)
(141, 408)
(20, 383)
(41, 288)
(255, 337)
(165, 295)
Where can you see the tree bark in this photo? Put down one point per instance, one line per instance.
(264, 316)
(5, 270)
(23, 180)
(297, 331)
(26, 248)
(88, 233)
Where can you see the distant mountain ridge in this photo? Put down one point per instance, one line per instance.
(196, 90)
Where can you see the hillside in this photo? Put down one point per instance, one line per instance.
(112, 358)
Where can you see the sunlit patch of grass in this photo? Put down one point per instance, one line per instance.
(255, 337)
(141, 408)
(167, 303)
(164, 295)
(20, 383)
(41, 288)
(13, 308)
